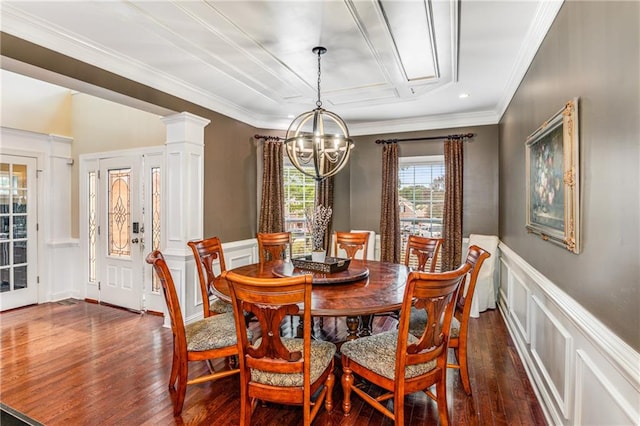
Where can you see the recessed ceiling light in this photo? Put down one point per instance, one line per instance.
(290, 116)
(463, 95)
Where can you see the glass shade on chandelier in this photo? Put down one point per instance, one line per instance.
(317, 141)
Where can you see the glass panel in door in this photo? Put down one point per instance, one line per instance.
(121, 277)
(18, 283)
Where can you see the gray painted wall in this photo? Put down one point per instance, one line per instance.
(480, 208)
(590, 52)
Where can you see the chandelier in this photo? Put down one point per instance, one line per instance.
(317, 141)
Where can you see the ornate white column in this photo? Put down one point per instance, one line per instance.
(184, 180)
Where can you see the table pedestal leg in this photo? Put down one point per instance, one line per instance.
(300, 329)
(365, 325)
(352, 327)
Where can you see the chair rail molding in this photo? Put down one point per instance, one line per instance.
(580, 370)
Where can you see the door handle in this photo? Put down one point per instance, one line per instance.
(134, 241)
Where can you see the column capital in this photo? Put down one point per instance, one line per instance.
(185, 127)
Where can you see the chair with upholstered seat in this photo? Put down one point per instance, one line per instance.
(273, 245)
(460, 324)
(399, 362)
(278, 369)
(203, 340)
(351, 243)
(206, 252)
(425, 250)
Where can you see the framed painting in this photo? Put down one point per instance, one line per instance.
(553, 179)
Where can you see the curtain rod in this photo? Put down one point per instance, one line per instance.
(426, 138)
(379, 141)
(268, 138)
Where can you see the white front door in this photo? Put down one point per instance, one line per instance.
(18, 232)
(123, 223)
(121, 240)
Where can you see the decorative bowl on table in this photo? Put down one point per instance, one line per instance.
(329, 266)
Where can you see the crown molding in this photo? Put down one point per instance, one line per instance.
(431, 122)
(545, 15)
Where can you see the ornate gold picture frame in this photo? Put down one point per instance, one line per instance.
(553, 179)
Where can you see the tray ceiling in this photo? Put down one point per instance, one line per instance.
(390, 66)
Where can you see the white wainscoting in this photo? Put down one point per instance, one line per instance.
(582, 372)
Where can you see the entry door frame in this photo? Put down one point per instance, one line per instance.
(92, 162)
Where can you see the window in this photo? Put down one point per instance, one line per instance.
(299, 195)
(421, 197)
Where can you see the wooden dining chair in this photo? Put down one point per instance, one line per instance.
(209, 338)
(351, 242)
(399, 362)
(460, 323)
(272, 246)
(425, 250)
(278, 369)
(206, 252)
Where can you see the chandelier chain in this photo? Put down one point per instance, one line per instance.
(319, 102)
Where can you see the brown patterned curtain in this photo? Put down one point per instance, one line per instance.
(390, 212)
(452, 221)
(272, 203)
(324, 196)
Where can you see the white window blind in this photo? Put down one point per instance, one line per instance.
(421, 197)
(299, 195)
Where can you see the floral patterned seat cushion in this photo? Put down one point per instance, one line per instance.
(378, 354)
(418, 322)
(322, 354)
(217, 331)
(219, 306)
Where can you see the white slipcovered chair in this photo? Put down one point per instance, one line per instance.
(485, 295)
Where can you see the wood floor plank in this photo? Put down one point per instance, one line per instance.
(82, 363)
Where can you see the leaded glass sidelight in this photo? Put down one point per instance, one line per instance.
(119, 212)
(93, 225)
(155, 219)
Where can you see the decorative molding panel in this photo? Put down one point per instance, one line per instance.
(503, 286)
(594, 387)
(581, 372)
(551, 348)
(126, 279)
(175, 226)
(519, 304)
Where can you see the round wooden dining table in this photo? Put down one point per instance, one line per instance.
(353, 293)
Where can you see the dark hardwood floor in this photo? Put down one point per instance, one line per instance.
(72, 363)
